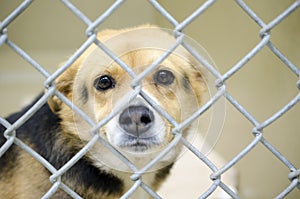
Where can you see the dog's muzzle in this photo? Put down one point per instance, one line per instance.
(136, 121)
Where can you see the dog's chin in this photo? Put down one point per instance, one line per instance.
(139, 145)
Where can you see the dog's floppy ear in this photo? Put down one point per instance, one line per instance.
(64, 84)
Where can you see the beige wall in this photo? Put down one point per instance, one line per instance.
(49, 32)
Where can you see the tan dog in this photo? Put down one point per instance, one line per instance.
(99, 86)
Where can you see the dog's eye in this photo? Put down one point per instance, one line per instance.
(104, 82)
(163, 77)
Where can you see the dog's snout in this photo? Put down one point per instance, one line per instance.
(136, 120)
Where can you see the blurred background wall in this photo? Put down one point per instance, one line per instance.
(50, 33)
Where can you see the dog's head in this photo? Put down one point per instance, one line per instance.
(99, 86)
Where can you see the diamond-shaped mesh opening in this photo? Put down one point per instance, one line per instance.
(247, 94)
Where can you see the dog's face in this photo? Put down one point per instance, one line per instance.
(100, 87)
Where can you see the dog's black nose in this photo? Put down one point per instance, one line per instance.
(136, 120)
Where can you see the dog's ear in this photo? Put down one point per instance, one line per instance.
(64, 84)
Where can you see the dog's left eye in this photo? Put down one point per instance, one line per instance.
(163, 77)
(104, 82)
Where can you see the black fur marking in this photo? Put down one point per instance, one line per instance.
(186, 82)
(8, 160)
(84, 94)
(163, 173)
(42, 131)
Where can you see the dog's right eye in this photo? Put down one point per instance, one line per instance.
(164, 77)
(104, 82)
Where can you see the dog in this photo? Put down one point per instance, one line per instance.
(100, 87)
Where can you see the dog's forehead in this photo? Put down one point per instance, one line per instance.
(97, 62)
(138, 49)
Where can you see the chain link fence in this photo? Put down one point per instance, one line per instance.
(179, 27)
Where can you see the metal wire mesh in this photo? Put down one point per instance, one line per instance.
(179, 27)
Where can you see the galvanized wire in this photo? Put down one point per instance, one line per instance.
(91, 33)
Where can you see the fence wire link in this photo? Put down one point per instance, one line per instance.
(91, 33)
